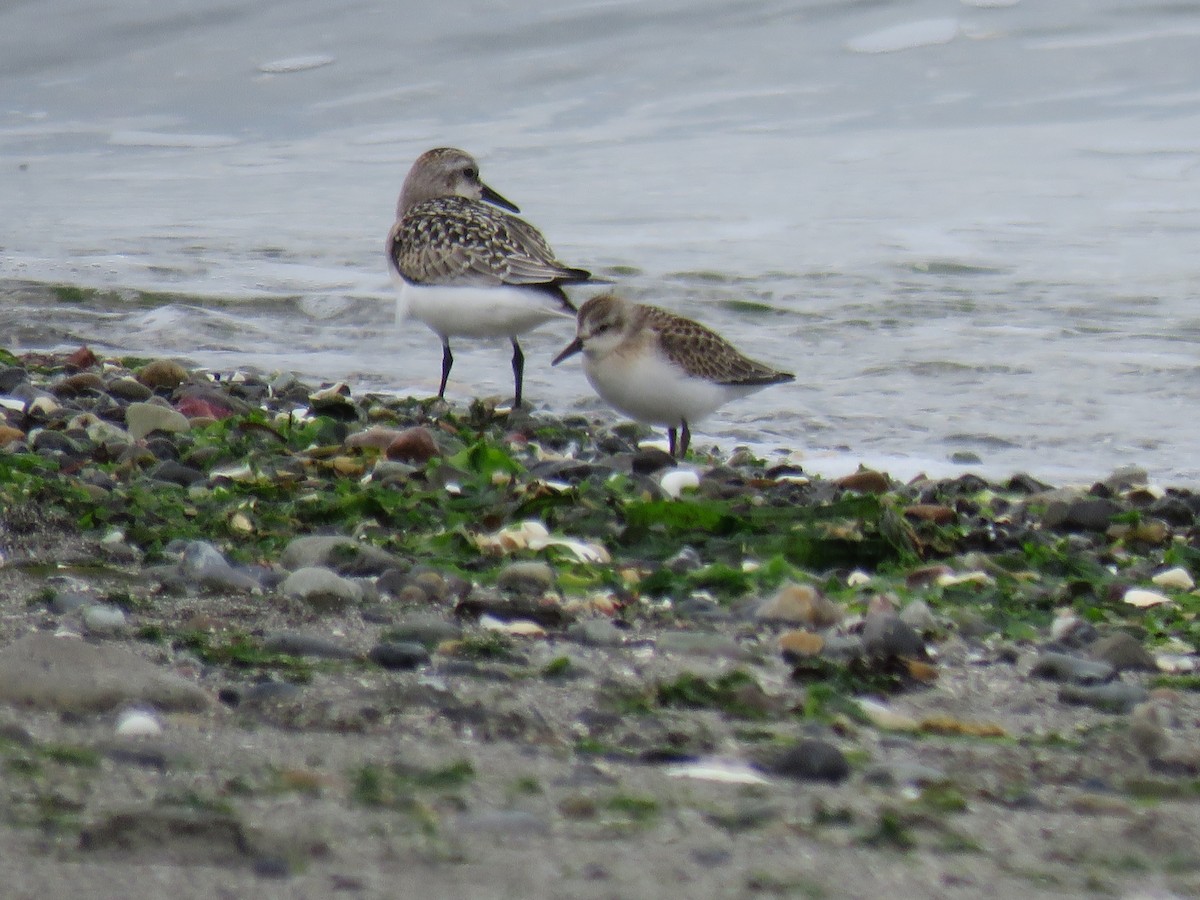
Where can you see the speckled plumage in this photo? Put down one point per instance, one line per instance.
(660, 367)
(459, 241)
(466, 267)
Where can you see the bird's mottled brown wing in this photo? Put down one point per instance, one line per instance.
(702, 352)
(456, 241)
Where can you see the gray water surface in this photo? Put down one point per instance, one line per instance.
(967, 227)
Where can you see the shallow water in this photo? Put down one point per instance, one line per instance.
(967, 227)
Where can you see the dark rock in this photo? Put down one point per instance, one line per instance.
(1173, 510)
(1085, 513)
(399, 655)
(810, 759)
(887, 636)
(651, 460)
(480, 602)
(176, 473)
(1026, 484)
(1073, 669)
(1123, 652)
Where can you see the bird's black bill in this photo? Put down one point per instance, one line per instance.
(570, 350)
(496, 200)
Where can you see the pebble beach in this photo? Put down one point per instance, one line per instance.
(266, 636)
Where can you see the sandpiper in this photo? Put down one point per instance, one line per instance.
(465, 267)
(660, 368)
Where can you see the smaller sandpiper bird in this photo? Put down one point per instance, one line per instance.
(465, 267)
(660, 368)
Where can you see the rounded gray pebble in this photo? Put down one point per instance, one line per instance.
(295, 644)
(811, 759)
(1072, 669)
(1114, 697)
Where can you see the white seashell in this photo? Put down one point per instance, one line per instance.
(857, 578)
(533, 535)
(677, 480)
(517, 627)
(1176, 663)
(1144, 599)
(138, 723)
(725, 771)
(1177, 577)
(950, 579)
(883, 716)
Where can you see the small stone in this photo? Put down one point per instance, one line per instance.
(70, 599)
(344, 555)
(1082, 514)
(686, 560)
(162, 373)
(414, 444)
(800, 644)
(83, 358)
(129, 389)
(886, 636)
(321, 589)
(532, 578)
(931, 512)
(865, 481)
(399, 655)
(811, 759)
(1177, 578)
(1114, 697)
(650, 460)
(203, 565)
(918, 615)
(176, 473)
(142, 419)
(800, 604)
(293, 643)
(596, 633)
(103, 621)
(377, 437)
(1123, 652)
(1073, 669)
(138, 723)
(10, 435)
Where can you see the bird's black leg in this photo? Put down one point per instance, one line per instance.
(671, 435)
(518, 371)
(685, 439)
(447, 362)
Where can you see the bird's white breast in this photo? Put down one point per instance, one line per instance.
(477, 311)
(646, 386)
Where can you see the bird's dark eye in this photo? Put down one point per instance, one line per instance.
(471, 173)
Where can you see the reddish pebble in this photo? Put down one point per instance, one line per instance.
(83, 358)
(199, 408)
(413, 445)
